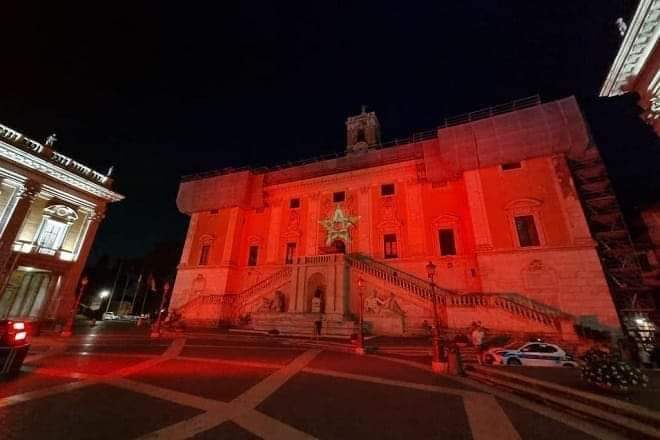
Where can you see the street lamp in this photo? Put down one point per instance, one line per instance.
(155, 331)
(360, 342)
(104, 294)
(68, 327)
(438, 365)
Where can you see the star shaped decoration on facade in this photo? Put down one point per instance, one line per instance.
(337, 226)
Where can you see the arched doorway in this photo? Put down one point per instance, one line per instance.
(340, 246)
(316, 287)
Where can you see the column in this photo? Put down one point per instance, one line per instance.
(364, 225)
(230, 236)
(274, 231)
(69, 287)
(25, 197)
(312, 229)
(478, 213)
(190, 238)
(415, 219)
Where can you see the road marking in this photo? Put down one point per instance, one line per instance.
(391, 382)
(228, 362)
(269, 428)
(174, 349)
(246, 347)
(561, 417)
(178, 397)
(242, 408)
(258, 393)
(38, 394)
(487, 418)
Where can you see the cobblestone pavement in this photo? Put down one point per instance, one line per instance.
(114, 385)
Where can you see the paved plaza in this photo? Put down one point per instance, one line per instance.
(116, 383)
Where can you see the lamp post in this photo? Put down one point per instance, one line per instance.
(438, 364)
(360, 342)
(68, 327)
(155, 330)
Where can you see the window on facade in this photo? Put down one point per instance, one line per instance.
(339, 196)
(511, 166)
(204, 255)
(253, 254)
(387, 189)
(52, 234)
(447, 242)
(389, 241)
(294, 203)
(526, 229)
(290, 253)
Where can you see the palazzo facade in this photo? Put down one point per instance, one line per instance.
(489, 199)
(50, 209)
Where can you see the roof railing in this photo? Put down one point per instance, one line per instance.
(45, 152)
(414, 138)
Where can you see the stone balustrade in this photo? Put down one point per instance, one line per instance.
(17, 139)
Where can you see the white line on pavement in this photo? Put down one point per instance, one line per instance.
(174, 349)
(243, 404)
(487, 418)
(269, 428)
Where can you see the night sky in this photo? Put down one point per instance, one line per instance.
(160, 91)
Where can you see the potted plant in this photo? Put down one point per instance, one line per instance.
(608, 372)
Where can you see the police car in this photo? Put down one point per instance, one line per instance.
(14, 345)
(533, 354)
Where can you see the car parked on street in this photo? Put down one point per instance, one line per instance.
(533, 354)
(109, 316)
(14, 345)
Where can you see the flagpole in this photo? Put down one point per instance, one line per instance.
(137, 288)
(114, 286)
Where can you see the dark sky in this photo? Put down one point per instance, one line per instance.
(162, 89)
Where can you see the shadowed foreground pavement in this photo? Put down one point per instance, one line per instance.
(114, 383)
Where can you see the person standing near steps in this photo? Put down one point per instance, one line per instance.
(317, 308)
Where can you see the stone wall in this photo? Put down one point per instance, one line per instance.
(570, 279)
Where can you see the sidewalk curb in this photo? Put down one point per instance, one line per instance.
(624, 415)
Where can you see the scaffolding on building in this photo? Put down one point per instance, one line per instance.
(619, 257)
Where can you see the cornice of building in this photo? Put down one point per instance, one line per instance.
(638, 44)
(18, 149)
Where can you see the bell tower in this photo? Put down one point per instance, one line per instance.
(362, 131)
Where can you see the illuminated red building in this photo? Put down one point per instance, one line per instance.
(488, 197)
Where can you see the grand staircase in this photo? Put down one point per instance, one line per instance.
(509, 312)
(212, 310)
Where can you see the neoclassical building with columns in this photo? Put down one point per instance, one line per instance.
(50, 209)
(489, 198)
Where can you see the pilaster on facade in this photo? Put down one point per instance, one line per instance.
(230, 239)
(313, 203)
(274, 232)
(365, 214)
(480, 225)
(190, 239)
(24, 199)
(415, 221)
